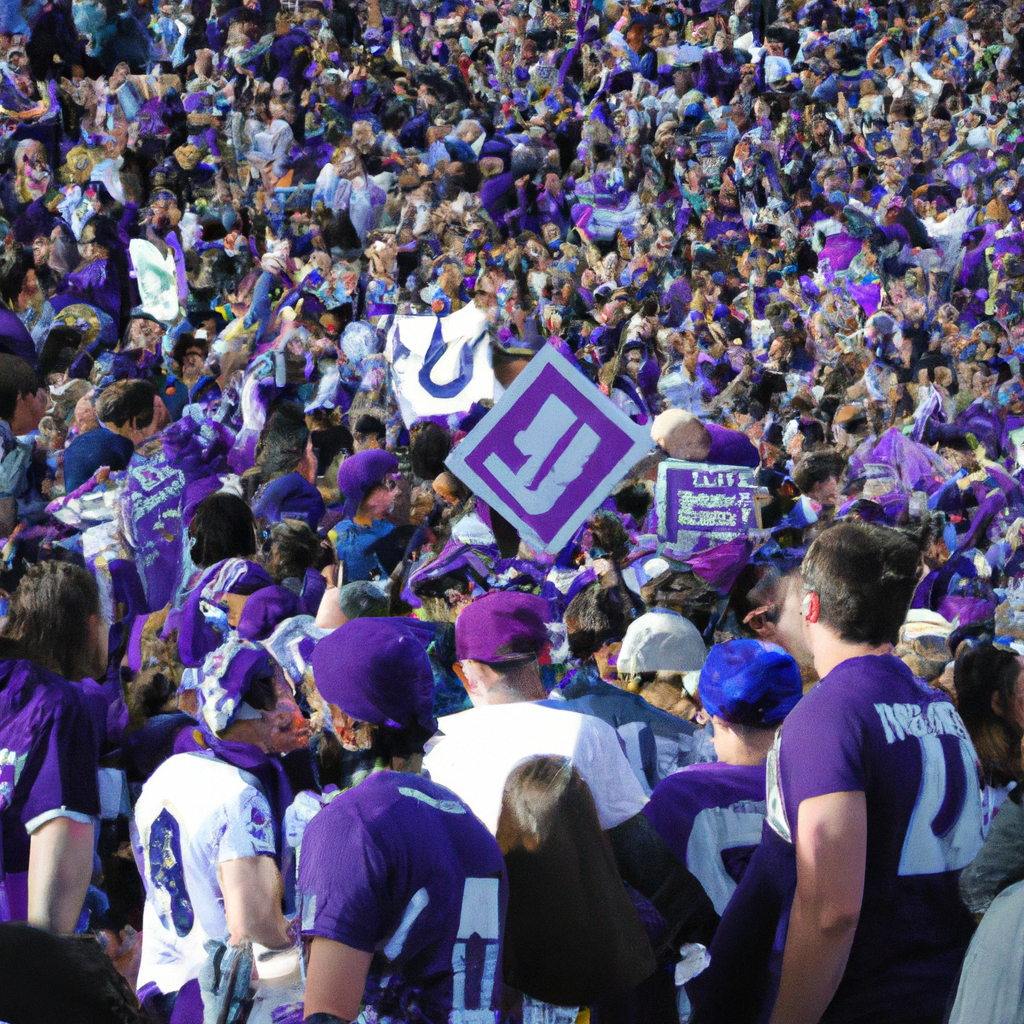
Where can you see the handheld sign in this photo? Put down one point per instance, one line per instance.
(440, 365)
(699, 503)
(549, 452)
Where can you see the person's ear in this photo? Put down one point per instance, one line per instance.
(471, 686)
(812, 607)
(997, 704)
(471, 680)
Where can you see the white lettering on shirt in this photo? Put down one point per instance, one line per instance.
(901, 721)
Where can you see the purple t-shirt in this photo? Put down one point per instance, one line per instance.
(710, 816)
(49, 751)
(870, 726)
(731, 448)
(400, 866)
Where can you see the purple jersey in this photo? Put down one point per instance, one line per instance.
(401, 867)
(710, 816)
(49, 751)
(868, 726)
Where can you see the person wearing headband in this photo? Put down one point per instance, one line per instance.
(209, 832)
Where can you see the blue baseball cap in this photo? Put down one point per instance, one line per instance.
(749, 682)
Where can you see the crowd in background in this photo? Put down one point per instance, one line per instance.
(294, 725)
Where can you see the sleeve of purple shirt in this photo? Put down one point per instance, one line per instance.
(820, 752)
(67, 760)
(351, 904)
(731, 448)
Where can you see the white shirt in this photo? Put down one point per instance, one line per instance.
(481, 746)
(194, 813)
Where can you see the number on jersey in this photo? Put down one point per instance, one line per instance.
(944, 833)
(167, 874)
(480, 925)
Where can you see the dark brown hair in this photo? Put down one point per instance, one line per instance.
(127, 401)
(572, 933)
(865, 577)
(979, 673)
(48, 620)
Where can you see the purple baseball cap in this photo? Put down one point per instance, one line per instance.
(503, 625)
(359, 472)
(376, 670)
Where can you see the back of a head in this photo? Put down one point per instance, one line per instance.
(661, 641)
(59, 350)
(983, 675)
(593, 618)
(289, 550)
(565, 893)
(362, 599)
(428, 449)
(369, 426)
(668, 421)
(48, 619)
(376, 671)
(55, 979)
(816, 468)
(17, 380)
(223, 527)
(503, 626)
(282, 442)
(865, 577)
(749, 683)
(127, 401)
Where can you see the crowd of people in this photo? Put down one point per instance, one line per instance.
(295, 726)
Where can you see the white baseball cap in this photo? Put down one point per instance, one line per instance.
(661, 641)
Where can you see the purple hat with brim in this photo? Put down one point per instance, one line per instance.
(359, 472)
(377, 671)
(502, 626)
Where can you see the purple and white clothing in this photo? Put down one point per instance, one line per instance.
(49, 750)
(194, 812)
(400, 867)
(479, 747)
(710, 816)
(869, 726)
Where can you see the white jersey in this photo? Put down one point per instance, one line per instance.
(481, 746)
(194, 813)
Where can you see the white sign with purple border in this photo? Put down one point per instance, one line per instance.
(549, 452)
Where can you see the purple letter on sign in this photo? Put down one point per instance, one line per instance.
(550, 451)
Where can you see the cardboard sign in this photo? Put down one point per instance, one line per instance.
(697, 500)
(549, 452)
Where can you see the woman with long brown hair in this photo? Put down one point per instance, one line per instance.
(573, 934)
